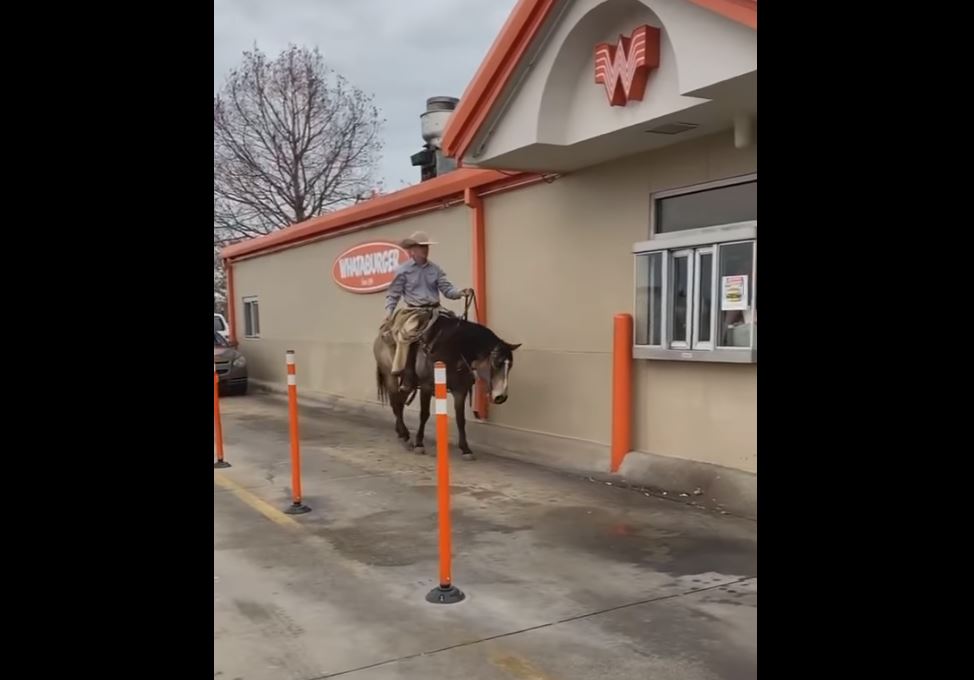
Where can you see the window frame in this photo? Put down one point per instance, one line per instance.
(692, 189)
(249, 302)
(753, 292)
(663, 307)
(697, 242)
(698, 254)
(687, 254)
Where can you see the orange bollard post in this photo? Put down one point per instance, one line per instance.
(217, 425)
(621, 389)
(297, 507)
(446, 592)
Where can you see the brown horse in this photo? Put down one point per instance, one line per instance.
(468, 350)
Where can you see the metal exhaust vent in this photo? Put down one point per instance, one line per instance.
(673, 128)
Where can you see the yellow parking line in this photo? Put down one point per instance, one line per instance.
(518, 667)
(258, 504)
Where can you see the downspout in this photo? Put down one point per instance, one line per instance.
(231, 302)
(479, 268)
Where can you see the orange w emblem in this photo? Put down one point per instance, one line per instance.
(624, 68)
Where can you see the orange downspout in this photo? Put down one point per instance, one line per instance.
(231, 304)
(621, 389)
(478, 241)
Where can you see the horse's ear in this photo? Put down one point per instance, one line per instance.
(513, 347)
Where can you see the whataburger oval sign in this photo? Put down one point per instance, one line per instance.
(368, 267)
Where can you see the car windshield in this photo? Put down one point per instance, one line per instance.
(219, 341)
(218, 324)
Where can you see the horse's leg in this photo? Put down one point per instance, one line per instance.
(398, 404)
(424, 415)
(459, 401)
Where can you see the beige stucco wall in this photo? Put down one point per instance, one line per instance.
(330, 329)
(559, 266)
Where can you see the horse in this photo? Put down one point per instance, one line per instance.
(469, 350)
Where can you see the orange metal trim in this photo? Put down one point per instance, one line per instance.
(483, 91)
(371, 224)
(479, 270)
(742, 11)
(388, 206)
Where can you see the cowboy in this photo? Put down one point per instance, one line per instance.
(418, 282)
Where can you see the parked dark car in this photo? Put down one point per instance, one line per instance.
(231, 366)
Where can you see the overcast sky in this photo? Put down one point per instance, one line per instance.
(401, 51)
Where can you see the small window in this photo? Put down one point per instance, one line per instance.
(679, 299)
(737, 294)
(251, 317)
(649, 297)
(708, 208)
(703, 298)
(695, 277)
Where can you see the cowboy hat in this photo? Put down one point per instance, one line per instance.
(418, 238)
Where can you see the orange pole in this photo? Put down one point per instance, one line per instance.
(296, 507)
(446, 593)
(231, 305)
(443, 475)
(621, 389)
(479, 269)
(217, 424)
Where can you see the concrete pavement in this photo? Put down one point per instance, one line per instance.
(566, 579)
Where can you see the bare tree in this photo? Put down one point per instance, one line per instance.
(291, 140)
(219, 282)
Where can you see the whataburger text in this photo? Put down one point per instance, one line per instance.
(382, 262)
(368, 267)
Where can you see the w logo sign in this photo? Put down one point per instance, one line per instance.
(624, 68)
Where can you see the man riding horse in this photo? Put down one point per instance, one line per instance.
(468, 350)
(419, 283)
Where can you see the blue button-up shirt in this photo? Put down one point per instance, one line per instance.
(419, 285)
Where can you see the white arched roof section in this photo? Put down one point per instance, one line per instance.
(553, 101)
(711, 49)
(573, 108)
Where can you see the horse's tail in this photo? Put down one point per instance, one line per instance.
(380, 385)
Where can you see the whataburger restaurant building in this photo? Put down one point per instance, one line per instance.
(607, 153)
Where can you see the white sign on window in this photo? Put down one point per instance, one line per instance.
(733, 292)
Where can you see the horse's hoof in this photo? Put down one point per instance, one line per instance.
(406, 444)
(468, 456)
(419, 450)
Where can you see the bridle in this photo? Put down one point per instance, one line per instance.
(472, 299)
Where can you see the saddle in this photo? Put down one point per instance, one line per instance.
(427, 341)
(423, 338)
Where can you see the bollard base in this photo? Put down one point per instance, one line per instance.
(297, 509)
(221, 464)
(445, 595)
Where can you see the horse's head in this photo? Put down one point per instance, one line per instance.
(499, 364)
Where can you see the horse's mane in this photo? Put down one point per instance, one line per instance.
(464, 337)
(475, 332)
